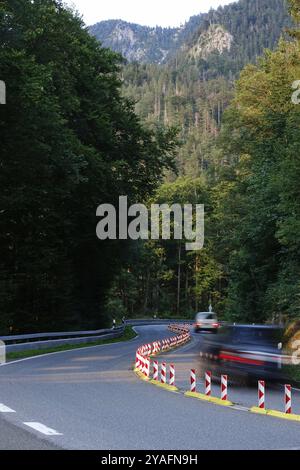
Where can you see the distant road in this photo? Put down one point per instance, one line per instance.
(91, 399)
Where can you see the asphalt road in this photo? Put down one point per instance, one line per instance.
(91, 399)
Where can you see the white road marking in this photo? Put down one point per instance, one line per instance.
(43, 429)
(5, 409)
(240, 408)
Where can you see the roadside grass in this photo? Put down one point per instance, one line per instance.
(128, 335)
(296, 376)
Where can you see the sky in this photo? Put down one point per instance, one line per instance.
(144, 12)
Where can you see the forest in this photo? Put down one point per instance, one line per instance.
(82, 127)
(69, 142)
(239, 136)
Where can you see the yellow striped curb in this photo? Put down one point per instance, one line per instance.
(259, 411)
(141, 375)
(275, 414)
(201, 396)
(218, 401)
(170, 388)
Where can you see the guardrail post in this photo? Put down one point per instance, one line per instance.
(2, 352)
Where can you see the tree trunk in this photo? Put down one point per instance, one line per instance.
(196, 281)
(179, 279)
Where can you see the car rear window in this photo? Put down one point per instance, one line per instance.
(206, 316)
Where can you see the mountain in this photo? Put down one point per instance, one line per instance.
(214, 39)
(135, 42)
(251, 25)
(185, 76)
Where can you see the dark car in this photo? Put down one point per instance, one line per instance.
(244, 352)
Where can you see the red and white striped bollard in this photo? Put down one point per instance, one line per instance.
(163, 373)
(147, 367)
(288, 399)
(172, 375)
(261, 394)
(208, 384)
(193, 381)
(155, 370)
(224, 387)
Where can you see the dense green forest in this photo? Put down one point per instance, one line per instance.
(69, 142)
(81, 127)
(238, 155)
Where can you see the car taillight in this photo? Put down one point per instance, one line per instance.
(241, 358)
(216, 325)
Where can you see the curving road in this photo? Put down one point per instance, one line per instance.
(91, 399)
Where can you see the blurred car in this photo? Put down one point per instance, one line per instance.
(244, 352)
(206, 321)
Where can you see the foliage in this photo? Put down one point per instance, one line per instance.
(264, 245)
(69, 142)
(81, 128)
(250, 172)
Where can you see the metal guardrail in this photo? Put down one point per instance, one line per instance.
(53, 343)
(61, 335)
(38, 341)
(77, 334)
(155, 322)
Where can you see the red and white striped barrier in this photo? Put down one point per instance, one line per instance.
(208, 384)
(143, 364)
(143, 354)
(163, 373)
(224, 387)
(261, 394)
(193, 381)
(172, 375)
(147, 367)
(179, 328)
(288, 399)
(137, 361)
(155, 370)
